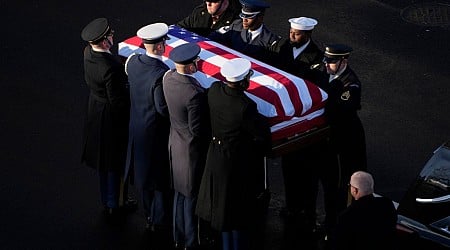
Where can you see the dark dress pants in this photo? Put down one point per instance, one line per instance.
(156, 206)
(298, 182)
(235, 240)
(109, 188)
(184, 220)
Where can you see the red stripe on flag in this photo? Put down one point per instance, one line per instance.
(286, 82)
(218, 51)
(136, 41)
(316, 97)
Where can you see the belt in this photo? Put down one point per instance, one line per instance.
(99, 98)
(224, 142)
(217, 140)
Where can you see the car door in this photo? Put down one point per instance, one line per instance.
(426, 206)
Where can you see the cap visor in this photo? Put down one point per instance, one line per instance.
(248, 16)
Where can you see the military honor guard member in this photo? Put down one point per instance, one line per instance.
(234, 174)
(344, 101)
(249, 35)
(210, 16)
(106, 128)
(149, 127)
(188, 140)
(299, 54)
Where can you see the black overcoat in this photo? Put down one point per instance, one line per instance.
(368, 223)
(149, 123)
(106, 128)
(234, 172)
(201, 22)
(189, 130)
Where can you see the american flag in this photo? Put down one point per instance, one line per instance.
(292, 104)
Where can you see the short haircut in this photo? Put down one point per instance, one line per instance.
(363, 181)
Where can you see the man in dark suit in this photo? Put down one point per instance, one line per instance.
(210, 16)
(344, 101)
(249, 35)
(106, 128)
(369, 222)
(234, 174)
(188, 140)
(149, 126)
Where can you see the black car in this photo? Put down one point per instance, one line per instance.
(424, 212)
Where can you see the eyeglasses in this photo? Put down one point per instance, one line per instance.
(196, 60)
(350, 185)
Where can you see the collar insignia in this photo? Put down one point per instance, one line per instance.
(345, 96)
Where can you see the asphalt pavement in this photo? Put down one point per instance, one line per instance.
(50, 201)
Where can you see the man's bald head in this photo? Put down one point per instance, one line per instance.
(363, 181)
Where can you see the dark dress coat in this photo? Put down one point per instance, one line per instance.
(106, 127)
(189, 130)
(368, 223)
(306, 65)
(235, 37)
(234, 172)
(201, 22)
(149, 123)
(347, 132)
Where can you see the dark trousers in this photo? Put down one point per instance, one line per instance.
(327, 174)
(298, 181)
(349, 162)
(185, 222)
(235, 240)
(302, 171)
(156, 206)
(109, 188)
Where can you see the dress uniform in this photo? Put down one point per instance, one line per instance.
(344, 101)
(298, 54)
(255, 41)
(202, 22)
(106, 128)
(149, 126)
(188, 140)
(234, 174)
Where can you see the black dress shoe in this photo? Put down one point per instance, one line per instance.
(114, 215)
(148, 224)
(130, 205)
(111, 212)
(177, 245)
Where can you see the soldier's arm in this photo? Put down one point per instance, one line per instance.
(159, 99)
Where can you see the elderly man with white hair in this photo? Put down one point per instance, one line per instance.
(369, 222)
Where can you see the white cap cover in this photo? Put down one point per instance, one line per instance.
(303, 23)
(236, 69)
(153, 33)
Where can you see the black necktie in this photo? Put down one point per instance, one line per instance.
(249, 36)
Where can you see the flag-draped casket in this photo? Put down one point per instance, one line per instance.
(293, 105)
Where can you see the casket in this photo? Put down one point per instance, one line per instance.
(295, 107)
